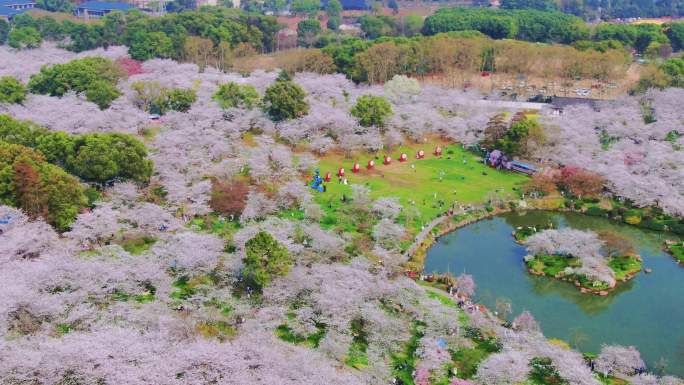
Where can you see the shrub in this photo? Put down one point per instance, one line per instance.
(24, 37)
(4, 31)
(580, 183)
(12, 90)
(264, 257)
(153, 98)
(596, 211)
(632, 217)
(40, 189)
(97, 157)
(148, 45)
(633, 220)
(285, 100)
(233, 95)
(94, 76)
(541, 183)
(105, 156)
(177, 99)
(372, 110)
(131, 66)
(544, 372)
(653, 224)
(102, 93)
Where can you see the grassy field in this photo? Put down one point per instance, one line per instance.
(625, 266)
(430, 185)
(677, 251)
(357, 356)
(551, 265)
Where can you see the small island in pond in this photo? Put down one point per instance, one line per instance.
(595, 263)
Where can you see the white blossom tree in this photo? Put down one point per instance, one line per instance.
(388, 207)
(506, 367)
(615, 359)
(525, 322)
(388, 234)
(465, 284)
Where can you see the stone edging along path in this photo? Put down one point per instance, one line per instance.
(419, 245)
(427, 237)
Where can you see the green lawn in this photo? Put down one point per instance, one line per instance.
(611, 380)
(677, 251)
(443, 299)
(457, 175)
(550, 265)
(146, 294)
(404, 362)
(285, 333)
(216, 225)
(220, 330)
(466, 361)
(624, 266)
(357, 356)
(137, 246)
(186, 286)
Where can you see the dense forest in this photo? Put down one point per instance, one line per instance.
(604, 9)
(551, 27)
(149, 37)
(464, 38)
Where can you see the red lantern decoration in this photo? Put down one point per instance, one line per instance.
(327, 177)
(340, 172)
(438, 151)
(420, 155)
(356, 168)
(371, 164)
(403, 158)
(387, 160)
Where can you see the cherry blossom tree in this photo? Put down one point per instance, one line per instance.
(465, 284)
(189, 251)
(360, 195)
(388, 207)
(313, 212)
(525, 322)
(96, 226)
(615, 359)
(616, 143)
(506, 367)
(22, 239)
(293, 194)
(388, 234)
(402, 89)
(258, 206)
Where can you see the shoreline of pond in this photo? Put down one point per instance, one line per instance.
(580, 313)
(417, 252)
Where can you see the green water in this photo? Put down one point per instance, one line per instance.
(647, 312)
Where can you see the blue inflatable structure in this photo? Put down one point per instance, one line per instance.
(317, 183)
(6, 220)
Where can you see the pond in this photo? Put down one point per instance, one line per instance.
(646, 312)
